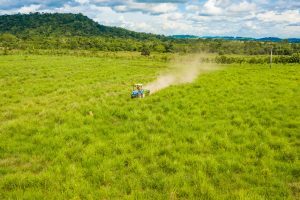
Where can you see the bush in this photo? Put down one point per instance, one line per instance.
(145, 51)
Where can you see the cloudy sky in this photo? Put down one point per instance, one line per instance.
(249, 18)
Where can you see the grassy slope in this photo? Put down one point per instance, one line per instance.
(230, 134)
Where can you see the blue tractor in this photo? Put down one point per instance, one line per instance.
(139, 92)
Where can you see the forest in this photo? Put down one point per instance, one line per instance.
(78, 32)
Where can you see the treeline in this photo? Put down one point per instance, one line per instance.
(260, 59)
(164, 57)
(101, 43)
(283, 59)
(9, 41)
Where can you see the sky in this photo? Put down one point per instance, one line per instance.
(246, 18)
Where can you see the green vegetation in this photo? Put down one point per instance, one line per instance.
(62, 24)
(294, 58)
(203, 57)
(69, 130)
(75, 31)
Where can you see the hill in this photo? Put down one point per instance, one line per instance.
(184, 36)
(63, 24)
(265, 39)
(76, 31)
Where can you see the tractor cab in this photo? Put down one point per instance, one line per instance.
(138, 91)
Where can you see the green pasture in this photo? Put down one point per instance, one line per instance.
(69, 130)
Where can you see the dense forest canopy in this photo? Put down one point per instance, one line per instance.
(76, 31)
(62, 24)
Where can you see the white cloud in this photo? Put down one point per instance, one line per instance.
(192, 8)
(242, 7)
(174, 16)
(152, 8)
(121, 8)
(82, 1)
(28, 9)
(290, 16)
(250, 25)
(211, 8)
(164, 8)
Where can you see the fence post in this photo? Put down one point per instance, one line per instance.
(271, 57)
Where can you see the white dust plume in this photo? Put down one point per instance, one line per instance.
(184, 71)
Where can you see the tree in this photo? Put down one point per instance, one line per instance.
(169, 47)
(145, 51)
(7, 41)
(160, 48)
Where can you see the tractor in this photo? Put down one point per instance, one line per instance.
(139, 92)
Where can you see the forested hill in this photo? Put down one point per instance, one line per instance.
(76, 31)
(58, 24)
(265, 39)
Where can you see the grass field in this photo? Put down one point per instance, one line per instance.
(69, 130)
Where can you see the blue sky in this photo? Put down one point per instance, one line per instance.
(248, 18)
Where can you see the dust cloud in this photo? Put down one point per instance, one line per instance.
(183, 70)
